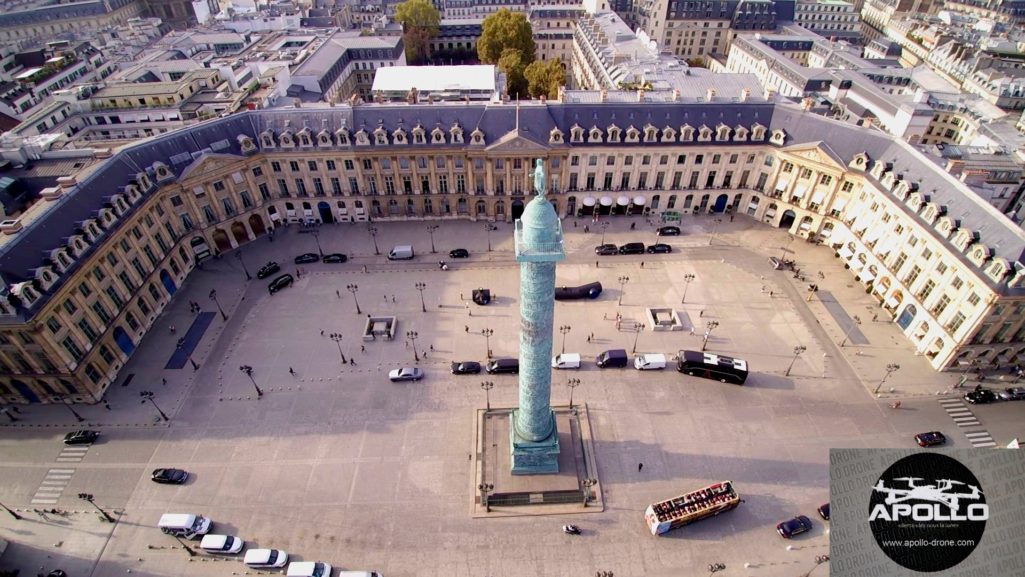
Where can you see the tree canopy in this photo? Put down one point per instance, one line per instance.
(544, 78)
(419, 19)
(512, 64)
(503, 30)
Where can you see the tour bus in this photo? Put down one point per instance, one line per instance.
(694, 506)
(709, 366)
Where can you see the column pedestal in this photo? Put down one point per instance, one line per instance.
(533, 457)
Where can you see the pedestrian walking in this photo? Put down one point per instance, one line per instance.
(291, 371)
(163, 380)
(362, 348)
(588, 338)
(365, 269)
(642, 264)
(595, 264)
(338, 294)
(173, 330)
(425, 354)
(106, 405)
(393, 298)
(605, 316)
(731, 218)
(692, 330)
(17, 410)
(701, 313)
(770, 294)
(592, 335)
(875, 316)
(466, 328)
(432, 347)
(385, 298)
(321, 332)
(640, 466)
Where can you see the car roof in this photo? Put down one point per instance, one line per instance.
(213, 541)
(257, 555)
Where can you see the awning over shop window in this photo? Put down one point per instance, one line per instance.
(800, 189)
(606, 201)
(639, 200)
(805, 225)
(589, 201)
(839, 203)
(782, 183)
(866, 276)
(752, 206)
(623, 201)
(846, 253)
(818, 196)
(771, 212)
(892, 302)
(856, 266)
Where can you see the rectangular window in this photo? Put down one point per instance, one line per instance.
(443, 184)
(389, 184)
(127, 280)
(912, 276)
(318, 187)
(282, 187)
(901, 259)
(98, 274)
(53, 324)
(247, 202)
(312, 165)
(106, 355)
(330, 165)
(101, 312)
(275, 166)
(69, 345)
(349, 165)
(681, 159)
(300, 187)
(628, 161)
(293, 166)
(264, 191)
(336, 186)
(70, 307)
(941, 305)
(132, 322)
(257, 171)
(115, 298)
(218, 186)
(353, 185)
(229, 206)
(927, 289)
(973, 299)
(87, 330)
(84, 290)
(368, 164)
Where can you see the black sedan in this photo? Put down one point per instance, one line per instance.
(268, 269)
(466, 368)
(930, 439)
(80, 437)
(981, 397)
(796, 526)
(459, 253)
(336, 257)
(824, 511)
(659, 248)
(307, 258)
(606, 249)
(169, 476)
(669, 231)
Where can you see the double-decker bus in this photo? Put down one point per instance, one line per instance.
(694, 506)
(709, 366)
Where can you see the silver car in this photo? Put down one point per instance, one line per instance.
(406, 374)
(1013, 394)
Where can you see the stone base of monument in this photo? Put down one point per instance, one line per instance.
(506, 493)
(534, 457)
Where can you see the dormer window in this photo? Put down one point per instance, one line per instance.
(304, 138)
(686, 133)
(757, 133)
(615, 133)
(704, 134)
(419, 136)
(740, 134)
(477, 136)
(778, 137)
(722, 133)
(595, 135)
(438, 136)
(650, 133)
(555, 136)
(286, 139)
(632, 134)
(380, 136)
(456, 132)
(362, 139)
(324, 138)
(668, 134)
(962, 239)
(267, 139)
(998, 269)
(576, 134)
(342, 136)
(398, 137)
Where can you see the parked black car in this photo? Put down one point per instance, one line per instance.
(466, 368)
(458, 253)
(981, 397)
(80, 437)
(334, 258)
(632, 248)
(929, 439)
(307, 258)
(280, 283)
(796, 526)
(669, 231)
(660, 248)
(268, 269)
(606, 249)
(586, 291)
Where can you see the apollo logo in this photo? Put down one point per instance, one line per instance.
(928, 512)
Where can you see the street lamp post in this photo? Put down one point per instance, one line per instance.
(7, 412)
(572, 384)
(430, 230)
(181, 343)
(484, 489)
(687, 279)
(564, 329)
(316, 236)
(373, 234)
(709, 327)
(604, 225)
(73, 412)
(148, 396)
(238, 255)
(783, 254)
(337, 338)
(16, 516)
(637, 333)
(420, 287)
(248, 371)
(412, 336)
(964, 376)
(184, 545)
(354, 289)
(856, 322)
(890, 369)
(88, 497)
(213, 297)
(622, 287)
(487, 227)
(487, 386)
(588, 483)
(487, 336)
(797, 352)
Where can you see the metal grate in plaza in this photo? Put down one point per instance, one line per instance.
(959, 412)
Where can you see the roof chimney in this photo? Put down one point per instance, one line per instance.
(745, 94)
(603, 95)
(710, 94)
(676, 95)
(640, 95)
(770, 94)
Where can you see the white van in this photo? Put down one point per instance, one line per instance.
(308, 569)
(650, 361)
(184, 525)
(401, 252)
(222, 544)
(566, 361)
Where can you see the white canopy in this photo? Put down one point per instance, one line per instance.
(799, 190)
(805, 225)
(866, 276)
(639, 200)
(892, 302)
(606, 201)
(818, 196)
(589, 201)
(623, 201)
(752, 206)
(846, 253)
(839, 203)
(782, 183)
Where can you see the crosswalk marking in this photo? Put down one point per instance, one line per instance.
(962, 416)
(52, 486)
(73, 453)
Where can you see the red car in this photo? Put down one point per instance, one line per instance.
(930, 439)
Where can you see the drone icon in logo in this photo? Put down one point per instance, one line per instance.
(934, 493)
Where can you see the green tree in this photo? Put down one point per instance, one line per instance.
(419, 19)
(512, 64)
(544, 78)
(503, 30)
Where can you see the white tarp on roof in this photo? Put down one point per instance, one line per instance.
(434, 78)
